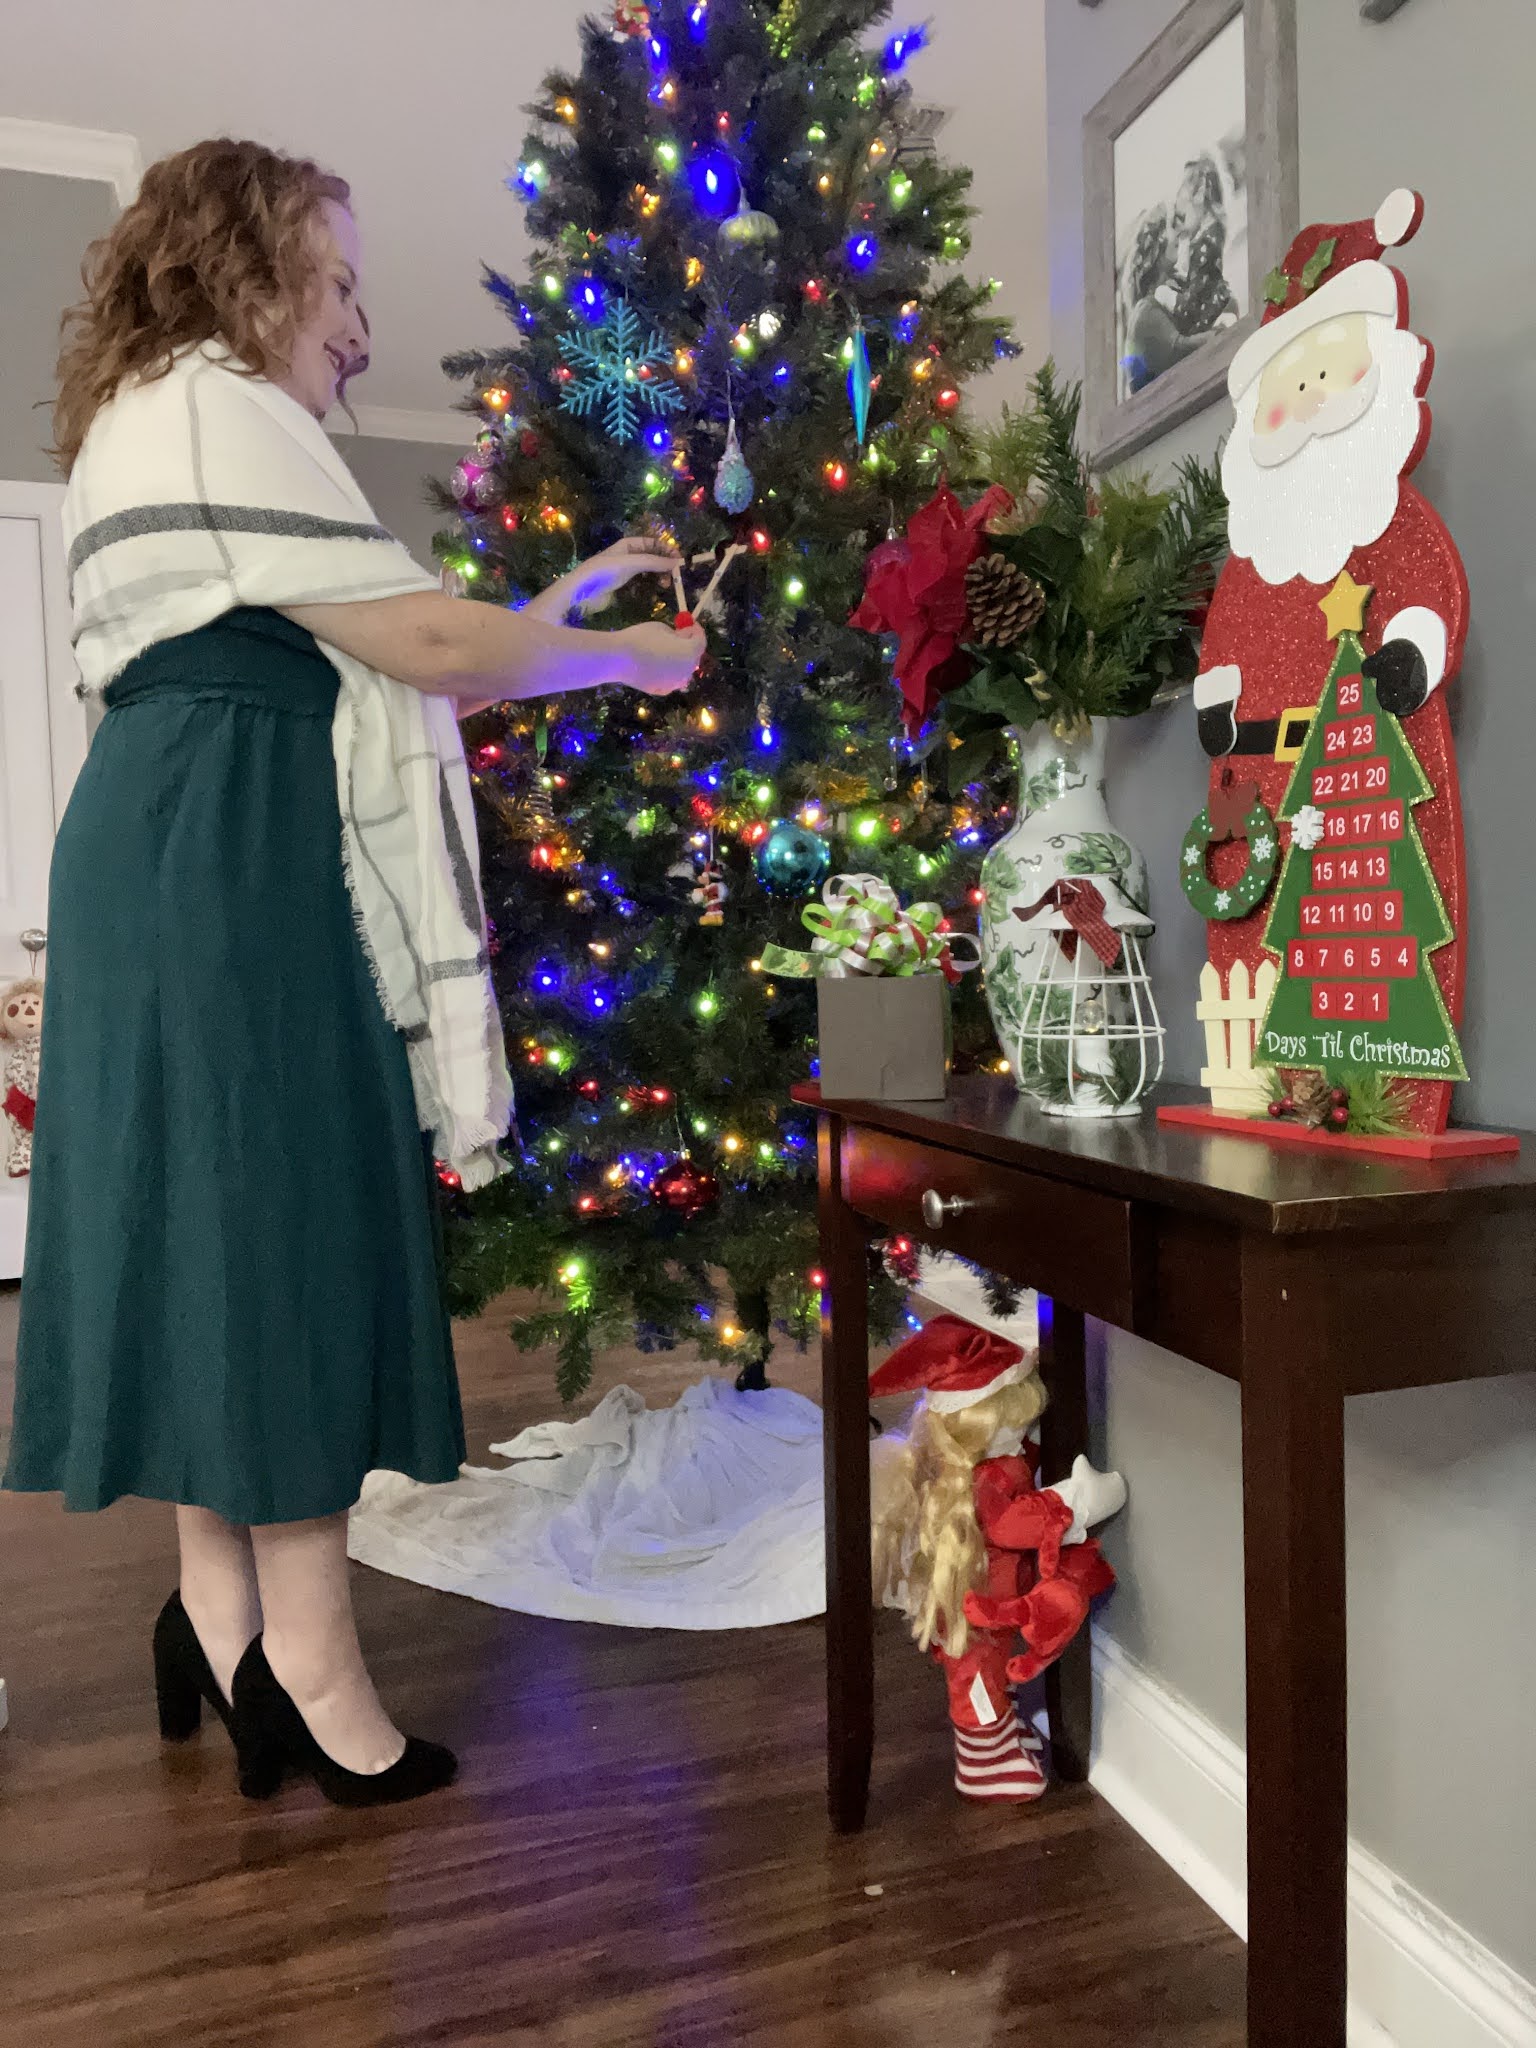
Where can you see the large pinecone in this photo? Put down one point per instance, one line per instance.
(1311, 1096)
(1004, 603)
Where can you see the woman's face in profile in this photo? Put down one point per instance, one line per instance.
(331, 336)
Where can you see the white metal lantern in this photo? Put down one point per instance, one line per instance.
(1089, 1041)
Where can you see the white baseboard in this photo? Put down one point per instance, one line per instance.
(1416, 1979)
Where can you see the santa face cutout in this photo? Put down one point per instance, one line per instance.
(1339, 616)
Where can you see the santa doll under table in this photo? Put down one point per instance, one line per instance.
(1328, 537)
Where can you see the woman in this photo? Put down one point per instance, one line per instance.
(267, 974)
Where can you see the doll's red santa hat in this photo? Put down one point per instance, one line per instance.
(1330, 272)
(954, 1363)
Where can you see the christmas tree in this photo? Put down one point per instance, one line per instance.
(744, 327)
(1357, 914)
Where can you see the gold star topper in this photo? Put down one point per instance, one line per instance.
(1343, 609)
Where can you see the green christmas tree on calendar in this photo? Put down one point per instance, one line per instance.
(1357, 915)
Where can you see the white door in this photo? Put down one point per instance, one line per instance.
(42, 744)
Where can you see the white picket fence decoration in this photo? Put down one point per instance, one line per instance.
(1231, 1024)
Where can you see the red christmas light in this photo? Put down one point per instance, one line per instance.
(486, 756)
(511, 518)
(755, 833)
(723, 123)
(696, 497)
(543, 855)
(762, 540)
(816, 1277)
(564, 374)
(586, 1204)
(591, 1089)
(661, 1096)
(836, 474)
(977, 896)
(814, 290)
(447, 1178)
(703, 810)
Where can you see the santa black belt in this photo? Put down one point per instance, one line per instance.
(1281, 738)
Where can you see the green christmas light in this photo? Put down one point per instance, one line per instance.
(706, 1005)
(866, 89)
(655, 483)
(668, 155)
(700, 1127)
(553, 1142)
(557, 1058)
(794, 589)
(552, 285)
(764, 793)
(765, 1151)
(572, 1271)
(815, 133)
(900, 188)
(866, 829)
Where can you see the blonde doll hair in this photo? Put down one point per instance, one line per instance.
(929, 1551)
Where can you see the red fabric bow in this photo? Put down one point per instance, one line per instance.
(1229, 804)
(1083, 907)
(23, 1108)
(916, 588)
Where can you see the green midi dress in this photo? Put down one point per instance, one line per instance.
(232, 1294)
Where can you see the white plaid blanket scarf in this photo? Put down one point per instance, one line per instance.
(208, 489)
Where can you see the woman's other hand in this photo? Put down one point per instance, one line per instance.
(662, 658)
(591, 584)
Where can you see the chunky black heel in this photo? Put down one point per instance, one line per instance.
(183, 1676)
(272, 1742)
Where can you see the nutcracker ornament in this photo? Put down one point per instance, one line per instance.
(1328, 859)
(21, 1024)
(974, 1552)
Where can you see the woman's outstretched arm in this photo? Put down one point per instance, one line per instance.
(448, 647)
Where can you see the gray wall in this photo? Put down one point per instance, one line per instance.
(1442, 1483)
(46, 225)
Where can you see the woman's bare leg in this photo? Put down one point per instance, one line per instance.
(310, 1638)
(218, 1588)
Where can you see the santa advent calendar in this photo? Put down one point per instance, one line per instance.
(1328, 859)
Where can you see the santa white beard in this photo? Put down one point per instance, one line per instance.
(1338, 493)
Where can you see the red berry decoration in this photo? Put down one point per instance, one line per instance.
(684, 1189)
(1277, 1109)
(1287, 1105)
(528, 441)
(1338, 1116)
(1339, 1097)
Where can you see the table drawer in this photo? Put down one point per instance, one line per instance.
(1069, 1241)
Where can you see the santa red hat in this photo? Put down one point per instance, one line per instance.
(953, 1362)
(1329, 272)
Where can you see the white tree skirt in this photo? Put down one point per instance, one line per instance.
(705, 1515)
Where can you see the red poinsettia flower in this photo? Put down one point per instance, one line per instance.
(915, 588)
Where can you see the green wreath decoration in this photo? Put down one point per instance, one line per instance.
(1251, 886)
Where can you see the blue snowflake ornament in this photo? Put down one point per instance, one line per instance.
(616, 365)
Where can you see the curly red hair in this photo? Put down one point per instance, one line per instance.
(216, 246)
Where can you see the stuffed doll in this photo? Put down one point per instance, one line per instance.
(976, 1554)
(21, 1021)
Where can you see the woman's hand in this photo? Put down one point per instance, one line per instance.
(591, 584)
(662, 659)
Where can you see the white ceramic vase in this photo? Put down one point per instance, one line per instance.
(1049, 1012)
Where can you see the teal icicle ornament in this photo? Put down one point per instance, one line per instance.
(735, 486)
(859, 384)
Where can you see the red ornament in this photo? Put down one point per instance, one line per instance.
(915, 588)
(947, 399)
(684, 1189)
(528, 442)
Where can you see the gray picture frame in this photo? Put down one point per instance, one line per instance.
(1116, 427)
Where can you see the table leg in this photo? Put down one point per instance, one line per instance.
(845, 1436)
(1063, 1434)
(1293, 1554)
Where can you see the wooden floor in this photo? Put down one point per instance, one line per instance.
(635, 1855)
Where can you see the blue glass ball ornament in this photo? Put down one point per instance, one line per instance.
(792, 860)
(735, 485)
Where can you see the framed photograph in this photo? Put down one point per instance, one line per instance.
(1190, 200)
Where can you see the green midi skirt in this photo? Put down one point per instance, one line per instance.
(232, 1294)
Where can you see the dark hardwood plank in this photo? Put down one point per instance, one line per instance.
(845, 1463)
(636, 1855)
(1063, 1434)
(1230, 1179)
(1293, 1568)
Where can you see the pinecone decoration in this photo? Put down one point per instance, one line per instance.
(1311, 1098)
(1003, 602)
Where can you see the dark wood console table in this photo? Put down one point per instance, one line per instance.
(1303, 1277)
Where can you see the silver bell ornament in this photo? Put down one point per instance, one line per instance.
(747, 228)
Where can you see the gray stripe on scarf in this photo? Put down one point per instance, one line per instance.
(458, 859)
(145, 519)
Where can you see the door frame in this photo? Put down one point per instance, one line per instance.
(69, 725)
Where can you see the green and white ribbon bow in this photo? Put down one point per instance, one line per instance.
(859, 927)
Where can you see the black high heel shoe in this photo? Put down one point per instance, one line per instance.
(272, 1742)
(183, 1676)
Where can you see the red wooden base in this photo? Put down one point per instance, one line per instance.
(1276, 1131)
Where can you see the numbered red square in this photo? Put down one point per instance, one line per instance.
(1351, 693)
(1351, 1001)
(1370, 777)
(1371, 868)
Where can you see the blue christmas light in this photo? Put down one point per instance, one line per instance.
(716, 185)
(527, 316)
(546, 975)
(698, 21)
(862, 251)
(529, 179)
(906, 45)
(782, 375)
(599, 1000)
(766, 736)
(658, 50)
(905, 326)
(658, 437)
(1005, 348)
(588, 298)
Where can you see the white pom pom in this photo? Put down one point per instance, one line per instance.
(1398, 217)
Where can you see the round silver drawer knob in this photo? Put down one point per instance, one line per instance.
(937, 1208)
